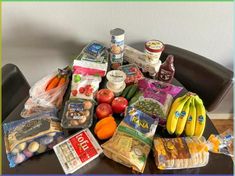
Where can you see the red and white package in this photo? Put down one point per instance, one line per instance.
(77, 151)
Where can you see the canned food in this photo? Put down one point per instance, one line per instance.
(117, 40)
(116, 60)
(153, 50)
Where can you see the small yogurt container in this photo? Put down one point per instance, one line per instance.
(153, 50)
(116, 81)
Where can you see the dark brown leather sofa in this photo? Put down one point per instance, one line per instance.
(210, 80)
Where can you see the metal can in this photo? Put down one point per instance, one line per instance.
(153, 50)
(117, 40)
(116, 60)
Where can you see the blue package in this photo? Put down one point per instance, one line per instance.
(28, 137)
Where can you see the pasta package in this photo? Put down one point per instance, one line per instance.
(180, 153)
(132, 141)
(28, 137)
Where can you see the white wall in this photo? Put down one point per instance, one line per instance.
(39, 37)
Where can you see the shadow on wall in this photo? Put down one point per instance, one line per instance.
(33, 36)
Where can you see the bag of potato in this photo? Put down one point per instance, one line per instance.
(132, 140)
(180, 153)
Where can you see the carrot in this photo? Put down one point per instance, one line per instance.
(62, 81)
(53, 83)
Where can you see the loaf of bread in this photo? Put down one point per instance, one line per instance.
(180, 153)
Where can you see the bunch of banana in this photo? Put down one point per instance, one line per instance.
(187, 114)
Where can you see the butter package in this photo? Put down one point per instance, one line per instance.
(28, 137)
(180, 153)
(132, 141)
(134, 56)
(77, 151)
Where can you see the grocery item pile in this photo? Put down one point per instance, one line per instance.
(142, 103)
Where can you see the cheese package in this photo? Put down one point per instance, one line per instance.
(180, 153)
(77, 151)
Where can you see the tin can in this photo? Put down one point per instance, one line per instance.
(116, 60)
(117, 40)
(153, 50)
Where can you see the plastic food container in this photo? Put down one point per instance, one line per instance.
(117, 92)
(94, 49)
(78, 114)
(133, 74)
(180, 153)
(153, 50)
(77, 151)
(116, 78)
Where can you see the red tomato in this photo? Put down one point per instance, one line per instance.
(103, 110)
(105, 96)
(119, 105)
(81, 90)
(74, 92)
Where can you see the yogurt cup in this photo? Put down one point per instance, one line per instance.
(116, 79)
(117, 92)
(153, 50)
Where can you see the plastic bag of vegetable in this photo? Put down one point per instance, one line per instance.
(155, 98)
(26, 138)
(46, 95)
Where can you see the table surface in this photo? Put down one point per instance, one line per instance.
(47, 163)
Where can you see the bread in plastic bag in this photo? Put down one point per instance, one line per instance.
(28, 137)
(41, 100)
(222, 143)
(180, 153)
(132, 141)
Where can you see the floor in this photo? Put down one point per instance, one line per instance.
(223, 125)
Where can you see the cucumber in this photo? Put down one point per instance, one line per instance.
(126, 90)
(131, 92)
(135, 97)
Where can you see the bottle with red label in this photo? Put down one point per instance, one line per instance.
(167, 70)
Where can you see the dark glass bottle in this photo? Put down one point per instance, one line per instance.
(167, 70)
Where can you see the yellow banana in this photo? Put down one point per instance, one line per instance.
(201, 117)
(174, 114)
(183, 117)
(191, 119)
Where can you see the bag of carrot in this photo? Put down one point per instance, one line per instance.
(47, 94)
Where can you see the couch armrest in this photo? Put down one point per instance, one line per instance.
(15, 88)
(210, 80)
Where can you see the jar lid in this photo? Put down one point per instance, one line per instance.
(117, 32)
(154, 46)
(116, 76)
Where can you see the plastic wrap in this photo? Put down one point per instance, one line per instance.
(222, 143)
(28, 137)
(180, 153)
(78, 114)
(77, 151)
(41, 101)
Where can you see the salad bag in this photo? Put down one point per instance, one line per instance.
(28, 137)
(132, 141)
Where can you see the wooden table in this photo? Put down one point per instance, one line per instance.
(48, 163)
